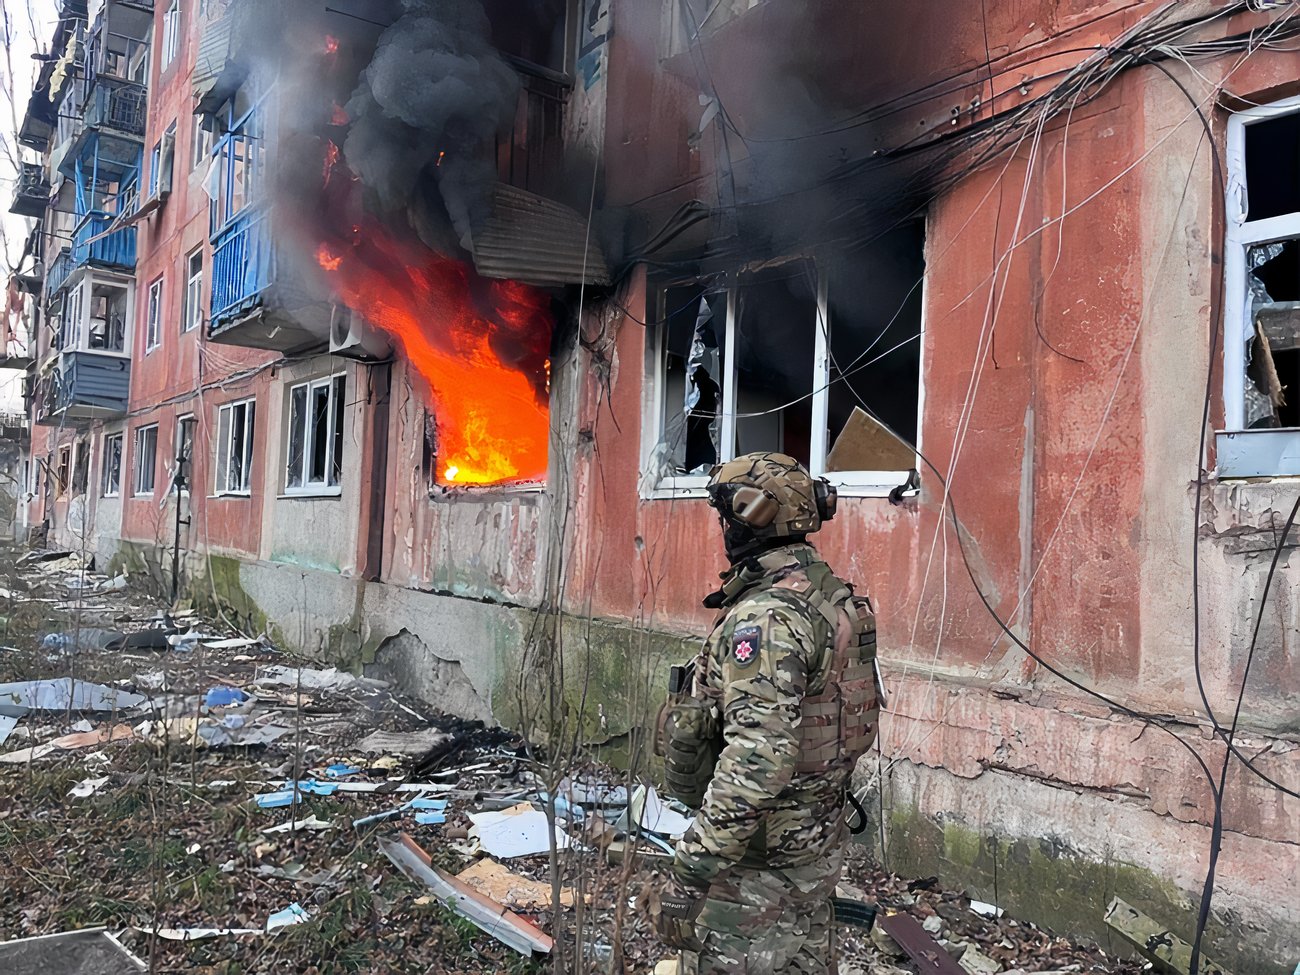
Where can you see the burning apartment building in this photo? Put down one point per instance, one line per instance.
(410, 331)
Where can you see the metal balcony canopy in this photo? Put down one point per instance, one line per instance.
(532, 239)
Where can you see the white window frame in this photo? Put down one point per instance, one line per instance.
(138, 467)
(225, 446)
(337, 386)
(850, 484)
(153, 316)
(193, 316)
(116, 491)
(171, 35)
(1241, 452)
(201, 142)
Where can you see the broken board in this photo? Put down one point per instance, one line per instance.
(865, 445)
(1167, 952)
(927, 954)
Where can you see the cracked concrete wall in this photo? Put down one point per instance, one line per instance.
(411, 665)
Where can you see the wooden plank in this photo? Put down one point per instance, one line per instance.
(1166, 951)
(926, 953)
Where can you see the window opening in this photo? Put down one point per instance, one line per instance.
(234, 465)
(315, 450)
(193, 316)
(146, 459)
(201, 144)
(64, 473)
(81, 467)
(185, 427)
(153, 326)
(171, 37)
(776, 322)
(111, 479)
(108, 311)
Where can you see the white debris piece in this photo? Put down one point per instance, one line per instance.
(519, 831)
(401, 742)
(310, 679)
(87, 787)
(64, 694)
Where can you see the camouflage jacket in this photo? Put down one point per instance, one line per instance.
(769, 651)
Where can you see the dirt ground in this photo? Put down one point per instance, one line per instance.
(166, 833)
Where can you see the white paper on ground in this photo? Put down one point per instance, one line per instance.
(660, 818)
(88, 787)
(198, 934)
(519, 831)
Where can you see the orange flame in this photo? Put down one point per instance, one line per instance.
(481, 345)
(331, 160)
(339, 116)
(331, 44)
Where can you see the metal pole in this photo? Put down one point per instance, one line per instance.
(176, 537)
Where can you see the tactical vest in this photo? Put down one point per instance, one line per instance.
(839, 711)
(839, 720)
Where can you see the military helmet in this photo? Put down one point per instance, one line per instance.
(772, 495)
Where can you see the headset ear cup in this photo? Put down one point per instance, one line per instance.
(828, 499)
(754, 507)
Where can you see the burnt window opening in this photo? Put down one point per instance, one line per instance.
(818, 360)
(532, 31)
(1270, 232)
(81, 467)
(1273, 167)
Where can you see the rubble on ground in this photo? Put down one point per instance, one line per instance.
(219, 805)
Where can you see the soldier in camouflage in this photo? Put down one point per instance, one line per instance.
(788, 676)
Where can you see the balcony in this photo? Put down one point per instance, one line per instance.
(92, 244)
(110, 132)
(13, 427)
(62, 267)
(255, 305)
(33, 193)
(85, 386)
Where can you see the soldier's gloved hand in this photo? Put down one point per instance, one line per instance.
(673, 910)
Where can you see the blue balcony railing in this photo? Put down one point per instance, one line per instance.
(91, 245)
(59, 271)
(243, 265)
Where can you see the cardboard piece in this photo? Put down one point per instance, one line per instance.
(864, 445)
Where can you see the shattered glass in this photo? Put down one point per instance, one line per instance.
(693, 353)
(1273, 289)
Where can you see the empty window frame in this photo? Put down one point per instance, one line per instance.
(234, 460)
(153, 317)
(63, 473)
(80, 467)
(171, 33)
(192, 316)
(184, 451)
(200, 144)
(109, 311)
(110, 479)
(790, 357)
(699, 18)
(1262, 294)
(146, 460)
(314, 452)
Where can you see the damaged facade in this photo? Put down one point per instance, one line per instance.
(694, 230)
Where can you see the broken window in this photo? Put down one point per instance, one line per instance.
(64, 473)
(821, 363)
(315, 451)
(1262, 320)
(535, 31)
(108, 311)
(234, 461)
(111, 476)
(81, 467)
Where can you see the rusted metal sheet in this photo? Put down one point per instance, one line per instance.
(924, 951)
(538, 241)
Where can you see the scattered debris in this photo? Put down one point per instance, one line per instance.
(64, 694)
(519, 831)
(293, 914)
(221, 697)
(492, 879)
(92, 950)
(1167, 953)
(986, 910)
(407, 743)
(493, 918)
(308, 679)
(199, 934)
(926, 953)
(87, 787)
(310, 823)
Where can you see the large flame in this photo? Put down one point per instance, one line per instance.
(480, 345)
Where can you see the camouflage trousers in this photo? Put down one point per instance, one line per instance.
(768, 922)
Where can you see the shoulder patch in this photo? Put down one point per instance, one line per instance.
(746, 642)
